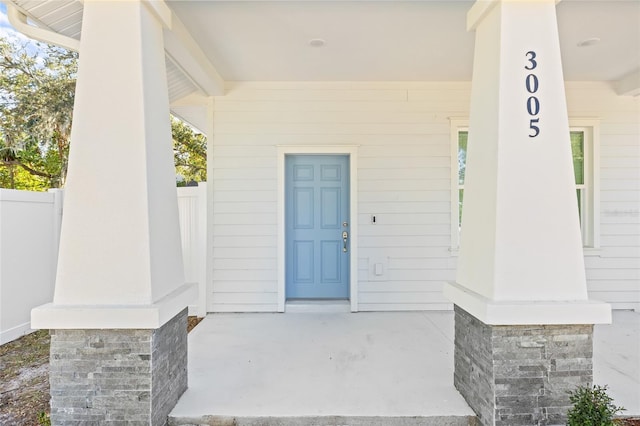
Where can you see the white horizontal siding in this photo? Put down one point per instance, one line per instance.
(410, 218)
(402, 131)
(613, 271)
(404, 178)
(408, 206)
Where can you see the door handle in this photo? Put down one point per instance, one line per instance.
(345, 237)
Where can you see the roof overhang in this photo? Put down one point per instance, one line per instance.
(208, 42)
(60, 23)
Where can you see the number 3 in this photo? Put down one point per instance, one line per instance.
(532, 60)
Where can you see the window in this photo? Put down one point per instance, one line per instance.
(459, 133)
(463, 136)
(584, 148)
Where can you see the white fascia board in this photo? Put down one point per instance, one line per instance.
(186, 54)
(19, 21)
(478, 11)
(162, 12)
(629, 85)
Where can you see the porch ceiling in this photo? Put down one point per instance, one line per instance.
(380, 40)
(366, 40)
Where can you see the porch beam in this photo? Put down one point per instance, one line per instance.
(481, 8)
(629, 85)
(194, 109)
(161, 11)
(183, 50)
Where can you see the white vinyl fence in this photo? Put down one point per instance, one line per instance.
(29, 237)
(192, 209)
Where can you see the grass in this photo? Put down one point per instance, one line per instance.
(24, 379)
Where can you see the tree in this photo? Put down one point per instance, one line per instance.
(37, 86)
(189, 151)
(37, 90)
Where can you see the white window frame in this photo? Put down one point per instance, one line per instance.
(457, 125)
(590, 197)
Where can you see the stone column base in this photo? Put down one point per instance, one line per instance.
(520, 374)
(104, 376)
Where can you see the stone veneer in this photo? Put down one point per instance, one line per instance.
(118, 376)
(520, 374)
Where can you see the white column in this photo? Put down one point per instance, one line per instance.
(521, 259)
(120, 261)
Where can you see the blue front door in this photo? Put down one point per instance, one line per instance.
(317, 226)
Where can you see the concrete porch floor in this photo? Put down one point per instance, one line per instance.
(365, 368)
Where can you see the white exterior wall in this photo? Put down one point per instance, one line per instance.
(613, 270)
(402, 131)
(29, 232)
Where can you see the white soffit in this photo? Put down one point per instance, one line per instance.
(61, 16)
(65, 17)
(179, 85)
(369, 40)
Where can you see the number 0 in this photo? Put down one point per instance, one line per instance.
(532, 83)
(533, 105)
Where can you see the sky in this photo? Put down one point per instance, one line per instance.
(5, 26)
(6, 30)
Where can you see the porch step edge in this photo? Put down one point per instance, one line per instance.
(319, 306)
(325, 421)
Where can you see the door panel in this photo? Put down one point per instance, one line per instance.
(316, 215)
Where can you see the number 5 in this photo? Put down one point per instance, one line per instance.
(532, 126)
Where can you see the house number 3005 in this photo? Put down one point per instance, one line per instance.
(533, 103)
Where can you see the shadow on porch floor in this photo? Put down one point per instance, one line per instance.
(366, 368)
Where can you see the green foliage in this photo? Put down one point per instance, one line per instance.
(44, 419)
(37, 91)
(577, 150)
(37, 87)
(592, 407)
(15, 177)
(189, 151)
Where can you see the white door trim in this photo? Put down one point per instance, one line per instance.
(352, 152)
